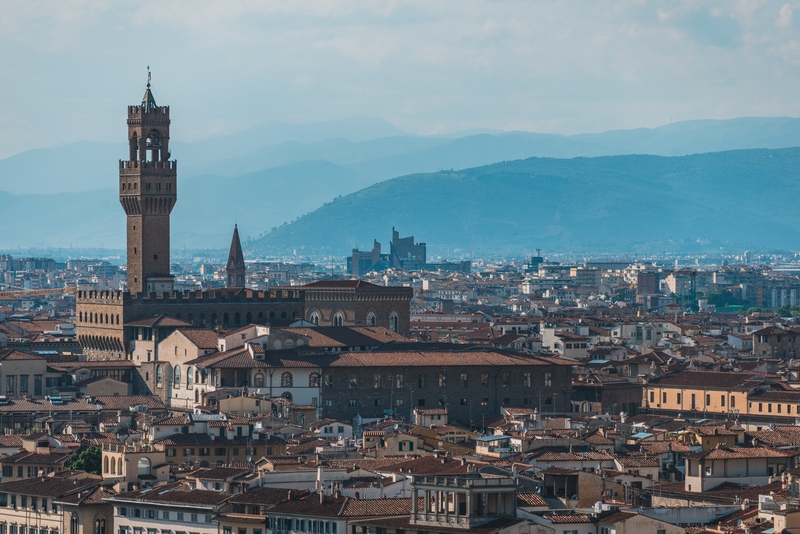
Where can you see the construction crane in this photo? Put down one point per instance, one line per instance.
(16, 293)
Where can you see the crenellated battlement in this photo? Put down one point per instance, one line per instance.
(214, 296)
(149, 110)
(133, 167)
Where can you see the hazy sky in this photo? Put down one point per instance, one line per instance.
(69, 68)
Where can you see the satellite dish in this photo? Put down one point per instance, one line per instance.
(339, 437)
(249, 458)
(396, 426)
(739, 523)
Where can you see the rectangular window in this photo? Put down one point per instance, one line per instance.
(180, 516)
(219, 451)
(708, 399)
(208, 519)
(378, 380)
(548, 380)
(378, 402)
(171, 452)
(484, 380)
(506, 379)
(526, 380)
(652, 396)
(205, 451)
(722, 400)
(327, 381)
(442, 380)
(194, 518)
(760, 406)
(353, 403)
(353, 381)
(400, 381)
(11, 387)
(23, 384)
(464, 380)
(188, 451)
(151, 514)
(484, 402)
(327, 402)
(8, 471)
(165, 514)
(420, 402)
(37, 385)
(464, 401)
(420, 381)
(664, 397)
(400, 402)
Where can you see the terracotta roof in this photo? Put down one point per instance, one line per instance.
(176, 493)
(57, 486)
(11, 354)
(26, 457)
(345, 336)
(710, 380)
(159, 320)
(530, 499)
(562, 519)
(615, 517)
(727, 453)
(202, 338)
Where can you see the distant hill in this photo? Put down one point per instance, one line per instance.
(377, 151)
(616, 203)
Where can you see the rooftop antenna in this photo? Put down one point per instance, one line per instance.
(148, 76)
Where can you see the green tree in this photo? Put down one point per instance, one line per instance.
(89, 460)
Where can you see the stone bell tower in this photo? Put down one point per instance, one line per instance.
(148, 192)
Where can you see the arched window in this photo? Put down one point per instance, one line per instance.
(73, 523)
(213, 318)
(286, 380)
(313, 380)
(225, 318)
(105, 464)
(143, 467)
(260, 315)
(258, 380)
(337, 319)
(159, 376)
(271, 315)
(371, 319)
(190, 318)
(313, 318)
(178, 316)
(113, 466)
(237, 318)
(204, 463)
(286, 395)
(249, 317)
(197, 395)
(119, 465)
(295, 315)
(176, 379)
(100, 526)
(283, 315)
(394, 322)
(202, 318)
(189, 378)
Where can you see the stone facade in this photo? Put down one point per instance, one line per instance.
(471, 393)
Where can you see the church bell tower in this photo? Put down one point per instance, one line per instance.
(148, 192)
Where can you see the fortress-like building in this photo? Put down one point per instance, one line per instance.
(148, 190)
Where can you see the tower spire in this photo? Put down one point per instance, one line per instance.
(235, 270)
(148, 101)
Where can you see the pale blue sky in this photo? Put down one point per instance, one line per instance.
(69, 68)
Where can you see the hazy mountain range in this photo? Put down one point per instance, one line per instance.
(273, 174)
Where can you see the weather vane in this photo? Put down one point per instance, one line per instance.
(148, 76)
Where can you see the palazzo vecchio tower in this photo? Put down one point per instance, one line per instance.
(109, 322)
(148, 192)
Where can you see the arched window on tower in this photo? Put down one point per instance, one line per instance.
(338, 320)
(100, 526)
(237, 318)
(313, 318)
(371, 319)
(225, 318)
(394, 322)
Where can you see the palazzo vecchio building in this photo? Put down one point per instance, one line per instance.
(148, 191)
